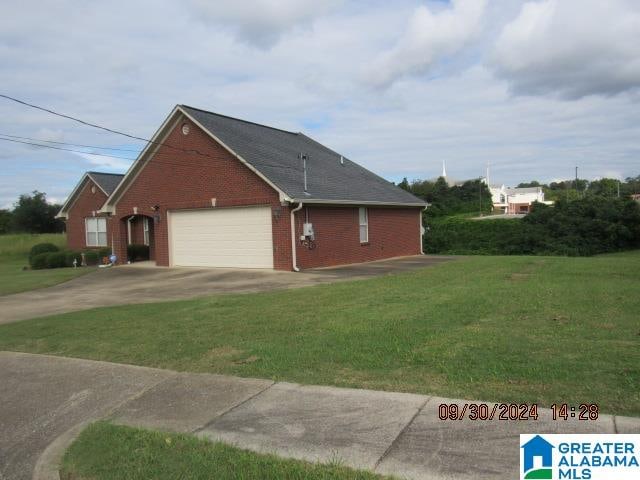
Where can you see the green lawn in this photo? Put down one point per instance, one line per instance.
(14, 251)
(104, 452)
(524, 329)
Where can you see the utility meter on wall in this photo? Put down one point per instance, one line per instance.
(307, 231)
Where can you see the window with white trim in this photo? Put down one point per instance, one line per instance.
(364, 224)
(96, 229)
(145, 230)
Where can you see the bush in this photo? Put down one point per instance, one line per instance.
(40, 248)
(39, 261)
(580, 227)
(91, 257)
(137, 252)
(104, 252)
(71, 256)
(56, 260)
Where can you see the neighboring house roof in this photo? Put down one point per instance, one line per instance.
(521, 190)
(275, 153)
(107, 182)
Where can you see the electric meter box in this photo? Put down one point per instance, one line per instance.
(307, 230)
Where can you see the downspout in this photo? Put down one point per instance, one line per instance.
(293, 238)
(422, 230)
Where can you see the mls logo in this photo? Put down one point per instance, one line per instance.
(536, 458)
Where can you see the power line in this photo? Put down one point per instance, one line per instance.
(156, 154)
(69, 117)
(117, 132)
(64, 149)
(70, 144)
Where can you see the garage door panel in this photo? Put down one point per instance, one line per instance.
(232, 237)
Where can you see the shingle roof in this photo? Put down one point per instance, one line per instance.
(516, 190)
(275, 154)
(106, 181)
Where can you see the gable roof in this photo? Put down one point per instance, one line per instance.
(107, 182)
(276, 154)
(273, 155)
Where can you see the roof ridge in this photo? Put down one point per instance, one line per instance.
(106, 173)
(239, 119)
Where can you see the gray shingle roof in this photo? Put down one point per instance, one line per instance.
(275, 154)
(106, 181)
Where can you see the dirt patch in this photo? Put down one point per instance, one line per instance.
(519, 277)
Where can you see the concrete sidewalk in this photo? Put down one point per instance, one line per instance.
(46, 401)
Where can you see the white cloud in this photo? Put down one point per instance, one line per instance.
(429, 36)
(160, 54)
(572, 48)
(261, 23)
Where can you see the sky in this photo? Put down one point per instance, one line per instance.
(532, 88)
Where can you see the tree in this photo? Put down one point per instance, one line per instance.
(5, 221)
(532, 183)
(32, 214)
(404, 184)
(606, 187)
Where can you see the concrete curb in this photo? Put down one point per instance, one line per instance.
(384, 432)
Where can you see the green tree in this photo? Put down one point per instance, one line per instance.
(606, 187)
(404, 184)
(532, 183)
(5, 221)
(32, 214)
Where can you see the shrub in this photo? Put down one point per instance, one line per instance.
(71, 256)
(56, 260)
(137, 252)
(39, 261)
(104, 252)
(91, 257)
(39, 248)
(580, 227)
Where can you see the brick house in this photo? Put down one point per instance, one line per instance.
(211, 190)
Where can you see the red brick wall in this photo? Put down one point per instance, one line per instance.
(86, 203)
(174, 179)
(393, 232)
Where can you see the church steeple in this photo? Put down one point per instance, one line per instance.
(444, 170)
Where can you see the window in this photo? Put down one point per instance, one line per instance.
(96, 229)
(145, 230)
(364, 225)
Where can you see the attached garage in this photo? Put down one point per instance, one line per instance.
(237, 237)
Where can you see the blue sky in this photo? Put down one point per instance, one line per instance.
(533, 87)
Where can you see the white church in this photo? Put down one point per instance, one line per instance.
(506, 200)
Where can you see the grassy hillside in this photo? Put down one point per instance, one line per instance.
(14, 251)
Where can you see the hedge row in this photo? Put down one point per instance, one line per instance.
(47, 255)
(576, 228)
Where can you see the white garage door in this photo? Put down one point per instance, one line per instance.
(226, 237)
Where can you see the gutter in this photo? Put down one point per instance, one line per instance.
(293, 238)
(358, 202)
(421, 229)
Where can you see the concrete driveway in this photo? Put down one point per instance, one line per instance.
(146, 284)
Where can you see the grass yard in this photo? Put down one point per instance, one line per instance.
(523, 329)
(14, 251)
(104, 451)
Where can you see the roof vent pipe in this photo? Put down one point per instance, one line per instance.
(341, 160)
(304, 167)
